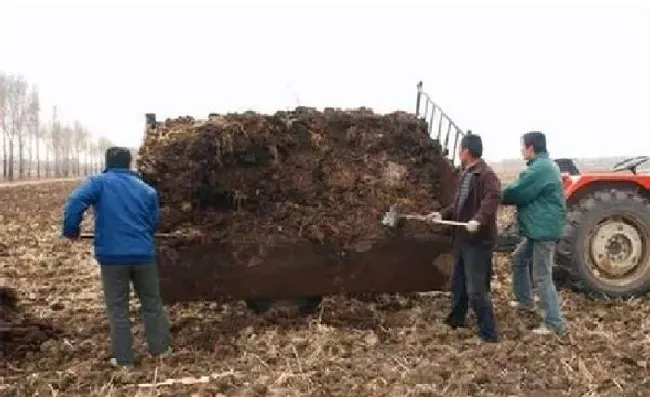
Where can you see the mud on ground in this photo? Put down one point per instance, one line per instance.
(393, 346)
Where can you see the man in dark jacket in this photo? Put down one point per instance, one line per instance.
(541, 210)
(126, 217)
(476, 202)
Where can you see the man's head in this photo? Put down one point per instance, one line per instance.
(471, 149)
(532, 143)
(118, 157)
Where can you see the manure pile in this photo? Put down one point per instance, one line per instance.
(251, 180)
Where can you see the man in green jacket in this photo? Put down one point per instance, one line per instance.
(541, 210)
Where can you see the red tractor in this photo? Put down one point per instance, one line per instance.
(605, 248)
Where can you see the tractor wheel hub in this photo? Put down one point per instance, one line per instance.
(616, 248)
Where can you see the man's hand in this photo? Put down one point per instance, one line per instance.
(433, 216)
(472, 226)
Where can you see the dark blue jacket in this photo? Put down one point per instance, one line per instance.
(126, 216)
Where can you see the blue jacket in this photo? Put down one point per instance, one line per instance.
(539, 197)
(126, 216)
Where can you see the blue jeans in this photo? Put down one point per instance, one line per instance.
(470, 286)
(540, 255)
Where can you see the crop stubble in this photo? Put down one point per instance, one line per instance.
(390, 346)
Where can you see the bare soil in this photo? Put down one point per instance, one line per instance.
(35, 181)
(388, 346)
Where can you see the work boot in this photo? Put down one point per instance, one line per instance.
(454, 325)
(544, 330)
(481, 340)
(478, 340)
(123, 367)
(521, 306)
(164, 354)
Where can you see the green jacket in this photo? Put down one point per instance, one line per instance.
(539, 197)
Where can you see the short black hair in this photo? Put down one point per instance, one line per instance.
(535, 139)
(118, 157)
(474, 145)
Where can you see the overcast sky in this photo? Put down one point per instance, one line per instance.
(578, 71)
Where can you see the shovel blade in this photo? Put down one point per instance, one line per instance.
(391, 217)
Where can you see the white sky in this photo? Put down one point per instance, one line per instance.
(579, 71)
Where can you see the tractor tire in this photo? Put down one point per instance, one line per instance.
(605, 247)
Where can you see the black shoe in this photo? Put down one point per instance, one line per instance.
(493, 339)
(454, 325)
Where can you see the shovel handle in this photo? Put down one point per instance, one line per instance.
(414, 217)
(89, 236)
(423, 218)
(450, 223)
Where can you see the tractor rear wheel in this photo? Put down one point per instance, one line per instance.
(605, 248)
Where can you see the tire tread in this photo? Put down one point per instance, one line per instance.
(565, 248)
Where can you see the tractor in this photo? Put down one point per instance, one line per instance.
(605, 247)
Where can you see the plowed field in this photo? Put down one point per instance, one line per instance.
(390, 346)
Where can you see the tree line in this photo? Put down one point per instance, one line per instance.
(35, 148)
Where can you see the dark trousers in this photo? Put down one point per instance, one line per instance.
(470, 286)
(116, 280)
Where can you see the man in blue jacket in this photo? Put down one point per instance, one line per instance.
(126, 217)
(541, 210)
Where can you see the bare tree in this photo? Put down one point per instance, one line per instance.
(103, 144)
(16, 100)
(33, 125)
(25, 136)
(86, 151)
(45, 137)
(20, 117)
(55, 143)
(3, 122)
(79, 141)
(67, 149)
(93, 151)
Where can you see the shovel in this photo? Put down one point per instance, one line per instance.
(88, 236)
(392, 216)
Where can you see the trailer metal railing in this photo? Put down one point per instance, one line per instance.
(433, 114)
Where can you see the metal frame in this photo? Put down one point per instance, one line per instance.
(434, 112)
(150, 120)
